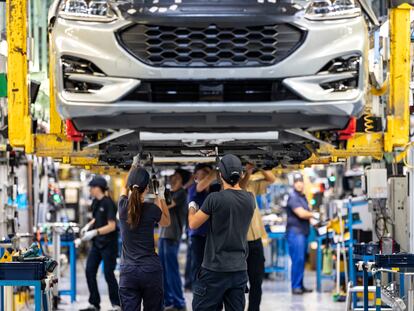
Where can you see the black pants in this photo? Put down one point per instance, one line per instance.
(255, 270)
(198, 244)
(187, 276)
(141, 285)
(108, 255)
(212, 289)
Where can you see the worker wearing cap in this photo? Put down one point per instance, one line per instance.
(223, 276)
(256, 183)
(102, 230)
(170, 238)
(297, 231)
(141, 270)
(204, 183)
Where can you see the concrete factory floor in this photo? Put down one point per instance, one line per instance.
(276, 295)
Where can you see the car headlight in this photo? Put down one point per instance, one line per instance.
(332, 9)
(92, 10)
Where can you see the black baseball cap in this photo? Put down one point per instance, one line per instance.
(231, 168)
(99, 181)
(138, 177)
(297, 177)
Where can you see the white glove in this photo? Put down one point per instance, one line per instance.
(161, 192)
(135, 161)
(193, 205)
(78, 242)
(90, 235)
(313, 221)
(85, 229)
(316, 215)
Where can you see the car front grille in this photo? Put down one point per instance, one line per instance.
(210, 46)
(171, 91)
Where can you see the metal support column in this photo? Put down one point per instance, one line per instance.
(20, 123)
(398, 120)
(410, 293)
(411, 198)
(56, 256)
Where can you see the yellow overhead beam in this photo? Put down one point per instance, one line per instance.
(362, 144)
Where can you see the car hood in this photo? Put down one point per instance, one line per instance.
(209, 10)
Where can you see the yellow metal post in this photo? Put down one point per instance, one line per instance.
(56, 123)
(398, 120)
(20, 123)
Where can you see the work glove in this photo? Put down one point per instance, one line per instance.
(316, 215)
(193, 205)
(90, 235)
(85, 229)
(315, 218)
(135, 161)
(161, 192)
(78, 242)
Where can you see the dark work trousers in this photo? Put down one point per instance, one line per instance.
(255, 270)
(173, 291)
(140, 285)
(298, 245)
(212, 289)
(198, 244)
(108, 255)
(187, 277)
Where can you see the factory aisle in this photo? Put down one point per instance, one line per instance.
(276, 296)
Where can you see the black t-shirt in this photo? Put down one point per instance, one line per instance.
(102, 211)
(231, 212)
(138, 243)
(294, 223)
(178, 215)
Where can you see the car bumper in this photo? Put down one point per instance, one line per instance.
(299, 72)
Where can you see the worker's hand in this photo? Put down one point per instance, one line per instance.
(161, 193)
(78, 242)
(316, 215)
(193, 206)
(135, 161)
(315, 218)
(313, 221)
(249, 168)
(90, 235)
(85, 229)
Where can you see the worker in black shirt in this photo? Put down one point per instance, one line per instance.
(169, 242)
(141, 270)
(102, 230)
(223, 276)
